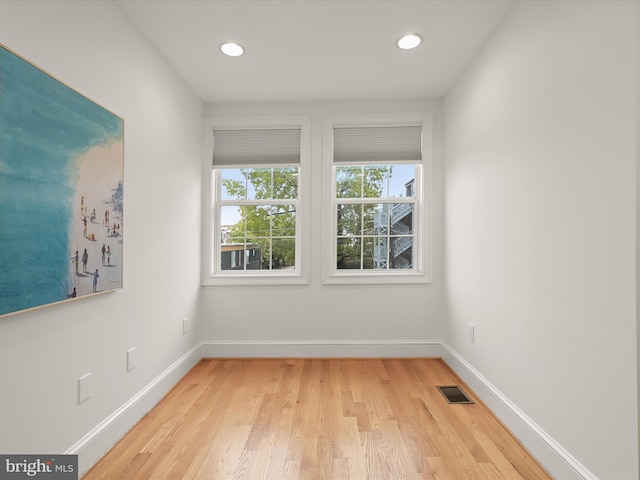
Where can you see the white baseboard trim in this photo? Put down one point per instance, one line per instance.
(321, 348)
(100, 439)
(558, 461)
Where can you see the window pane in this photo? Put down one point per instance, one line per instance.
(259, 182)
(232, 255)
(401, 254)
(401, 183)
(402, 218)
(253, 257)
(380, 253)
(283, 220)
(284, 253)
(375, 219)
(255, 249)
(349, 253)
(231, 219)
(375, 253)
(368, 248)
(285, 183)
(233, 184)
(376, 181)
(258, 219)
(349, 219)
(349, 182)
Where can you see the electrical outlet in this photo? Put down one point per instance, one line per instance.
(84, 387)
(185, 325)
(471, 333)
(131, 359)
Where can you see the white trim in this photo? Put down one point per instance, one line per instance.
(321, 348)
(92, 446)
(356, 277)
(557, 460)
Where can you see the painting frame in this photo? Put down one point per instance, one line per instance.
(61, 191)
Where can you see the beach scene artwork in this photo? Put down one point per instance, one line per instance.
(61, 191)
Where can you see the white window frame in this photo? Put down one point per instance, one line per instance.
(211, 272)
(422, 269)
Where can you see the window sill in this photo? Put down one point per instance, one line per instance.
(265, 280)
(400, 278)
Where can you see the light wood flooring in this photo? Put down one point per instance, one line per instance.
(331, 419)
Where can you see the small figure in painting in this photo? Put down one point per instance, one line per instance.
(84, 221)
(76, 259)
(85, 259)
(95, 280)
(72, 294)
(104, 251)
(108, 255)
(93, 216)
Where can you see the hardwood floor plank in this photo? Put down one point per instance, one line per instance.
(356, 458)
(292, 470)
(317, 419)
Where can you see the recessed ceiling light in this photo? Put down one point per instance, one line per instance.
(232, 49)
(412, 40)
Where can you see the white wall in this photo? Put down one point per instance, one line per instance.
(540, 209)
(94, 48)
(638, 216)
(328, 313)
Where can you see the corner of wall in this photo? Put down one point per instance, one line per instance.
(638, 218)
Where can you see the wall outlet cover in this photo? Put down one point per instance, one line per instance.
(131, 359)
(84, 387)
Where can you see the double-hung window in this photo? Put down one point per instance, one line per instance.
(256, 190)
(380, 183)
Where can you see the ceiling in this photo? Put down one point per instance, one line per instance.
(315, 50)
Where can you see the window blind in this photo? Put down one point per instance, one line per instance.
(256, 147)
(377, 143)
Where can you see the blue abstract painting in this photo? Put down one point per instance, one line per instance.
(61, 190)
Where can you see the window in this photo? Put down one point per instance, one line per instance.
(379, 222)
(257, 188)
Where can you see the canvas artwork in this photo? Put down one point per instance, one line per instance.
(61, 190)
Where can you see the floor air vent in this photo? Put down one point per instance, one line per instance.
(454, 394)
